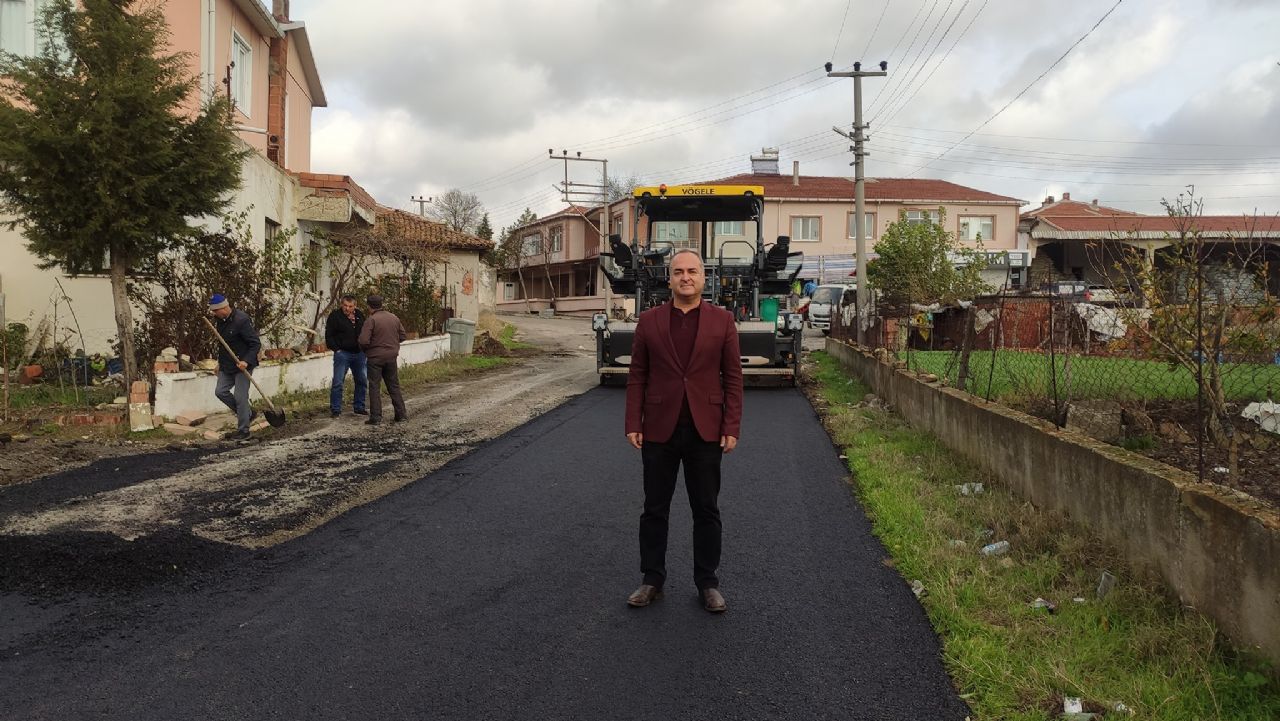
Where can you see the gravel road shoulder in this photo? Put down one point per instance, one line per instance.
(264, 494)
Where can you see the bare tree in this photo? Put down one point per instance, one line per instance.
(621, 186)
(550, 242)
(1208, 310)
(458, 210)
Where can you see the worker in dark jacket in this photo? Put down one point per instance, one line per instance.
(236, 328)
(380, 339)
(342, 335)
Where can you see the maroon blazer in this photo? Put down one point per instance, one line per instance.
(657, 382)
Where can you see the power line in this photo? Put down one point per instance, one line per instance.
(892, 53)
(901, 82)
(537, 159)
(1059, 164)
(680, 130)
(1029, 86)
(843, 20)
(1076, 180)
(1079, 140)
(875, 29)
(1092, 158)
(941, 62)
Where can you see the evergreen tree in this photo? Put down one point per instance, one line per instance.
(485, 230)
(104, 158)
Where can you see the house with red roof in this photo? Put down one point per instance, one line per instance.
(1086, 241)
(816, 212)
(258, 54)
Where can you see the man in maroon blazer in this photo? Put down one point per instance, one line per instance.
(684, 407)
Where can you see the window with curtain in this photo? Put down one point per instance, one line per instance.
(806, 227)
(241, 73)
(973, 226)
(557, 239)
(868, 225)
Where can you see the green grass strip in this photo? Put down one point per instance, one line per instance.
(1135, 647)
(1027, 375)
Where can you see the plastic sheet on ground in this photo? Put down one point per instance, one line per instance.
(1105, 322)
(1266, 415)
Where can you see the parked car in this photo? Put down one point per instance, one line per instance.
(1083, 292)
(828, 299)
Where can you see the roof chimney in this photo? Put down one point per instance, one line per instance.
(766, 163)
(1095, 202)
(280, 9)
(795, 172)
(1048, 200)
(1066, 197)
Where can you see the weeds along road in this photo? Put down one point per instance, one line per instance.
(492, 587)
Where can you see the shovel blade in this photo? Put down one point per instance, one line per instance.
(275, 418)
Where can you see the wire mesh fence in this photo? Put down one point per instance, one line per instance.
(1128, 375)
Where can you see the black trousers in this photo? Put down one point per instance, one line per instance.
(388, 371)
(701, 461)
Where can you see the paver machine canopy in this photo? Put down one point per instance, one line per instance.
(744, 275)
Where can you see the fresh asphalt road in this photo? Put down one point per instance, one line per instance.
(495, 589)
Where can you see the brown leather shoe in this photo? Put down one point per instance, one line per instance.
(713, 601)
(644, 596)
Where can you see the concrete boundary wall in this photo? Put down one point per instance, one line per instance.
(1219, 550)
(193, 390)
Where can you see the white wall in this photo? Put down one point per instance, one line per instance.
(193, 391)
(30, 293)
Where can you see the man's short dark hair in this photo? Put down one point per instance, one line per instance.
(348, 297)
(374, 301)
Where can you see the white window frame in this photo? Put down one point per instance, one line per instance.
(961, 224)
(922, 216)
(868, 222)
(724, 229)
(798, 223)
(241, 77)
(662, 233)
(557, 238)
(31, 9)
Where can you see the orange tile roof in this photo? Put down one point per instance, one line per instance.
(1242, 226)
(1068, 207)
(400, 224)
(817, 187)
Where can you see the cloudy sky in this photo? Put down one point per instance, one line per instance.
(427, 96)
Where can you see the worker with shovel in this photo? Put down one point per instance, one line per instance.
(237, 357)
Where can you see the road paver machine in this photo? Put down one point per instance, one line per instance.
(745, 276)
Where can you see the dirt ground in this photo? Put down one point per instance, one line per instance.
(266, 493)
(1256, 454)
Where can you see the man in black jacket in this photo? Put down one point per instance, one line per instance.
(341, 334)
(236, 328)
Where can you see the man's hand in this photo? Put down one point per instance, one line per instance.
(636, 439)
(728, 443)
(242, 366)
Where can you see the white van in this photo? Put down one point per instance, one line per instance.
(828, 299)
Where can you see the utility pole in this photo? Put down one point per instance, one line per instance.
(859, 190)
(422, 201)
(589, 193)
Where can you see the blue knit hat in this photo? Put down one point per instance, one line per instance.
(218, 301)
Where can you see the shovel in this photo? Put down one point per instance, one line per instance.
(274, 415)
